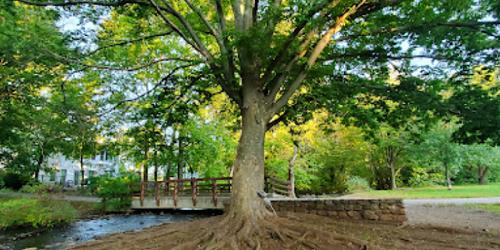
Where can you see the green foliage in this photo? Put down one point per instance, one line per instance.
(116, 192)
(35, 213)
(2, 177)
(421, 177)
(356, 183)
(14, 180)
(40, 188)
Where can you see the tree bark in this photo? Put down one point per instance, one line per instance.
(82, 171)
(447, 176)
(393, 176)
(145, 172)
(39, 165)
(155, 158)
(180, 162)
(482, 175)
(390, 158)
(248, 176)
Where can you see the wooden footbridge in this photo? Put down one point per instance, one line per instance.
(196, 193)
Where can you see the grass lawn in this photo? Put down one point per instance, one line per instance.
(463, 191)
(495, 208)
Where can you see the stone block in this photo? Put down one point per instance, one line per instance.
(370, 215)
(354, 215)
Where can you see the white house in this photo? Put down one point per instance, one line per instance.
(67, 172)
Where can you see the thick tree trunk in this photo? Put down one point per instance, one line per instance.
(248, 176)
(482, 175)
(291, 172)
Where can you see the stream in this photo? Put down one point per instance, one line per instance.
(87, 229)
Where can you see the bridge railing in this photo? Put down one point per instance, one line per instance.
(195, 187)
(274, 185)
(205, 187)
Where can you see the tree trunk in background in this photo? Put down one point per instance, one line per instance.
(482, 171)
(145, 172)
(447, 176)
(393, 176)
(291, 172)
(180, 161)
(155, 155)
(390, 160)
(39, 165)
(82, 171)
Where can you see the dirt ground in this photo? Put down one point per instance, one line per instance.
(313, 232)
(453, 216)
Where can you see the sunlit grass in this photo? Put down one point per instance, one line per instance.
(462, 191)
(495, 208)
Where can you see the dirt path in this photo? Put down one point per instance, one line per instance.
(453, 216)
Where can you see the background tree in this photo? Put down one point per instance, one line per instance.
(439, 149)
(483, 158)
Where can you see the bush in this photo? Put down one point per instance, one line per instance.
(116, 192)
(14, 180)
(35, 213)
(40, 188)
(421, 177)
(356, 183)
(2, 183)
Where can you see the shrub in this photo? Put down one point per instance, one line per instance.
(35, 213)
(356, 183)
(2, 183)
(116, 192)
(421, 177)
(40, 188)
(14, 180)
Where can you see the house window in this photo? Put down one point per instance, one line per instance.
(53, 176)
(63, 176)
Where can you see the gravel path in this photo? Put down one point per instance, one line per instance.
(453, 216)
(456, 201)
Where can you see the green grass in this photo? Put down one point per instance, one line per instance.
(462, 191)
(35, 213)
(494, 208)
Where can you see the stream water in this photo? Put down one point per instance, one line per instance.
(88, 229)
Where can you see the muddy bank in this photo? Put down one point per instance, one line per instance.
(91, 227)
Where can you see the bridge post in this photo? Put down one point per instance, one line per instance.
(142, 193)
(194, 190)
(175, 193)
(157, 195)
(214, 192)
(167, 189)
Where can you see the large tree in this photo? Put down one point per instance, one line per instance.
(272, 56)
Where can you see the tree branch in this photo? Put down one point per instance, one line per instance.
(313, 56)
(426, 26)
(125, 42)
(80, 2)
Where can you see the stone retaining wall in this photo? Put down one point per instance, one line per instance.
(386, 210)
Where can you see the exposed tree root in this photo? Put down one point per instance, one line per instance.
(236, 232)
(292, 231)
